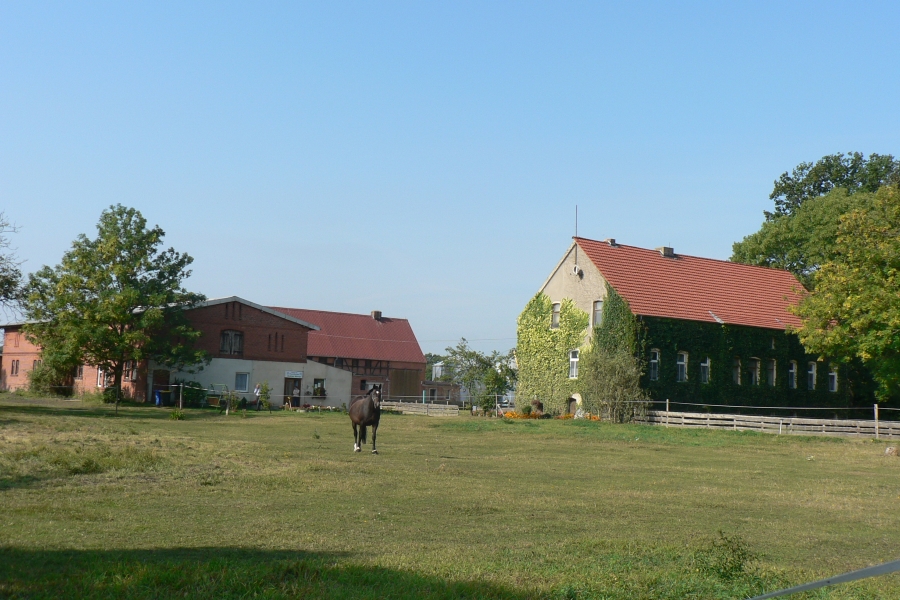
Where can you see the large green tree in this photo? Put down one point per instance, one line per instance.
(113, 299)
(854, 171)
(854, 310)
(804, 240)
(10, 276)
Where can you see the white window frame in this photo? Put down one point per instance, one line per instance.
(682, 364)
(654, 364)
(736, 371)
(598, 313)
(705, 370)
(792, 375)
(772, 372)
(811, 372)
(246, 383)
(554, 316)
(573, 364)
(833, 380)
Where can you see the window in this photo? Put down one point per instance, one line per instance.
(811, 376)
(682, 362)
(598, 313)
(832, 380)
(232, 342)
(318, 387)
(242, 382)
(704, 370)
(654, 365)
(792, 375)
(101, 378)
(754, 371)
(79, 372)
(362, 385)
(36, 364)
(573, 364)
(14, 367)
(554, 319)
(770, 373)
(736, 372)
(129, 373)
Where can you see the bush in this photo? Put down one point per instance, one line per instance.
(193, 393)
(177, 415)
(47, 380)
(728, 557)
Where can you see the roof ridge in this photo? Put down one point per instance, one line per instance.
(336, 312)
(705, 258)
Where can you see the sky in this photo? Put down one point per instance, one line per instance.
(425, 159)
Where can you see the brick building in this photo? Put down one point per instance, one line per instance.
(329, 357)
(376, 350)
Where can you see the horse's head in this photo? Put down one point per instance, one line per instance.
(376, 397)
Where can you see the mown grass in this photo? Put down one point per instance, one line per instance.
(278, 506)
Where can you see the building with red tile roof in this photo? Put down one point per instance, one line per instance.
(713, 331)
(377, 350)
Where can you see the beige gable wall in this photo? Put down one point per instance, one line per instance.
(584, 291)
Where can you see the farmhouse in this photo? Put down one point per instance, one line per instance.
(711, 331)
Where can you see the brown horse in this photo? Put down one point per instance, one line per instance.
(365, 411)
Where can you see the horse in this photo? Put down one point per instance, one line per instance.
(365, 411)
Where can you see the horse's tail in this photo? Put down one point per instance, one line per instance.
(362, 434)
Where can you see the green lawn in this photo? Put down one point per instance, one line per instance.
(278, 506)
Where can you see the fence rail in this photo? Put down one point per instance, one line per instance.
(781, 425)
(431, 410)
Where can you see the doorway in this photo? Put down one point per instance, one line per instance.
(292, 390)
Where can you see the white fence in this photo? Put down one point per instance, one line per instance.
(431, 410)
(782, 425)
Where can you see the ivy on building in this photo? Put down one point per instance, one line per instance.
(542, 352)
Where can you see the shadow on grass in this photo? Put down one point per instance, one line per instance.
(218, 573)
(129, 411)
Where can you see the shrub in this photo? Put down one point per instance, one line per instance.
(177, 415)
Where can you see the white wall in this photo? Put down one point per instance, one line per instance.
(223, 370)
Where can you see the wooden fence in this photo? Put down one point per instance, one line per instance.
(431, 410)
(781, 425)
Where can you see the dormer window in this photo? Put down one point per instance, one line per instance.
(554, 318)
(232, 342)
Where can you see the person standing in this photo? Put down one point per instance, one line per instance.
(256, 392)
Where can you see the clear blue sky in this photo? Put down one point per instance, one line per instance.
(425, 158)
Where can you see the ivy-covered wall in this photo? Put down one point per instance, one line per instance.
(722, 344)
(542, 353)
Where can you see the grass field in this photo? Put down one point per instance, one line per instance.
(278, 506)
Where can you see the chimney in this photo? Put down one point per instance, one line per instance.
(611, 242)
(376, 314)
(666, 251)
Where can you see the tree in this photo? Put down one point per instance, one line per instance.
(804, 240)
(854, 310)
(853, 172)
(484, 377)
(10, 276)
(115, 299)
(609, 374)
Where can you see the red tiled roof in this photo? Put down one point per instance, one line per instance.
(693, 288)
(348, 335)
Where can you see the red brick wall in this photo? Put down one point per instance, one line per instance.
(266, 337)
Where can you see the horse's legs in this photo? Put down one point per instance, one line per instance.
(356, 447)
(374, 429)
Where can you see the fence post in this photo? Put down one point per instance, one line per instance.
(667, 412)
(181, 397)
(876, 420)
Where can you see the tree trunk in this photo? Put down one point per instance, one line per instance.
(117, 382)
